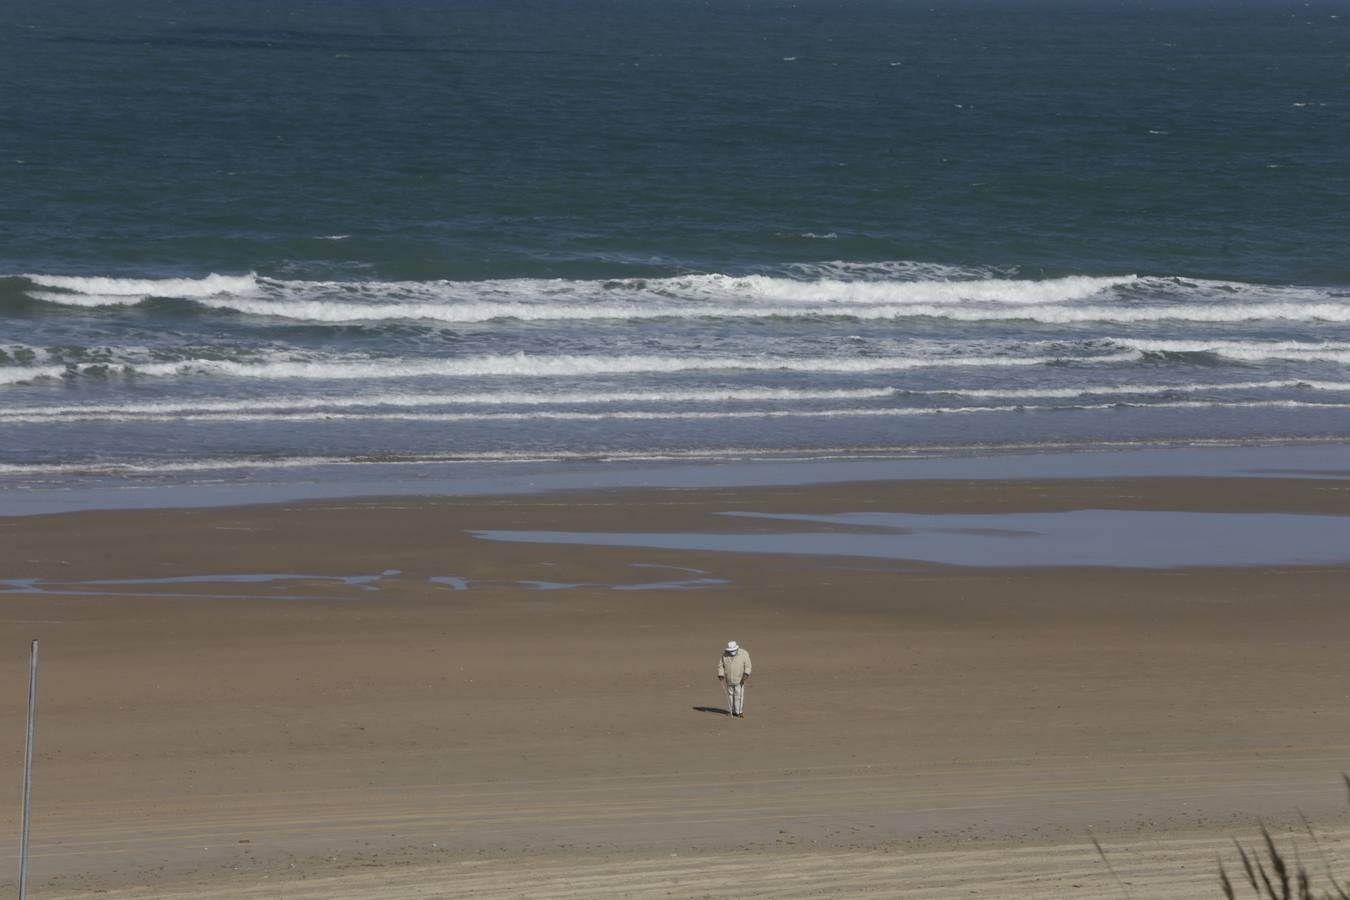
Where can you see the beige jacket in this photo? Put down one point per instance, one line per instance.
(734, 669)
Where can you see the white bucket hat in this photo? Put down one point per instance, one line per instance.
(732, 647)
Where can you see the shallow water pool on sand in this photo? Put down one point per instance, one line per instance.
(1089, 537)
(277, 585)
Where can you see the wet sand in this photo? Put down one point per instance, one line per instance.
(425, 713)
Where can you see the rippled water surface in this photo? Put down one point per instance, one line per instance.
(287, 236)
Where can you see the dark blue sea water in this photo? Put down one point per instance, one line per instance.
(240, 236)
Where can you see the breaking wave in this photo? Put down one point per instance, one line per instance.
(688, 415)
(519, 364)
(891, 351)
(110, 364)
(371, 405)
(136, 289)
(496, 398)
(863, 292)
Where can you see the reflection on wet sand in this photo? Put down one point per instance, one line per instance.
(1145, 539)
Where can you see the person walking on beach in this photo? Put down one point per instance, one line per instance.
(733, 670)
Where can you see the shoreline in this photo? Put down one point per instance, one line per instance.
(462, 478)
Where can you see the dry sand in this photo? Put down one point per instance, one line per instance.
(911, 730)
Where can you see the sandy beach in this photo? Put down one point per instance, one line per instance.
(420, 712)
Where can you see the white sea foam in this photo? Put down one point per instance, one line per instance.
(863, 291)
(1228, 346)
(114, 369)
(156, 467)
(562, 416)
(106, 362)
(1215, 313)
(209, 286)
(1246, 351)
(371, 404)
(1007, 291)
(112, 363)
(836, 290)
(713, 293)
(712, 415)
(160, 466)
(887, 304)
(530, 366)
(20, 374)
(30, 353)
(196, 465)
(88, 300)
(319, 311)
(90, 412)
(1110, 390)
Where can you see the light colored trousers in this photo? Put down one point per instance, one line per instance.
(735, 698)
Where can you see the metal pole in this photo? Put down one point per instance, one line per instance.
(28, 771)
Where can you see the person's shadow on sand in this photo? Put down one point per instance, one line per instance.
(713, 709)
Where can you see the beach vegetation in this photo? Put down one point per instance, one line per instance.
(1270, 874)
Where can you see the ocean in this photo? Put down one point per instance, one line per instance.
(239, 240)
